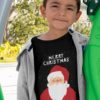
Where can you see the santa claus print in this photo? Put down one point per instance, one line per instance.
(57, 86)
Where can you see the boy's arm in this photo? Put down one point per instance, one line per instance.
(1, 94)
(22, 88)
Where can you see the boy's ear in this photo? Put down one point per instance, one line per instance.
(42, 10)
(78, 15)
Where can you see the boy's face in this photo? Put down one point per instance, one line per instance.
(60, 14)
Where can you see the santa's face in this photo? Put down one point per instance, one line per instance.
(58, 89)
(56, 80)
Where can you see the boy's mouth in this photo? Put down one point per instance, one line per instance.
(62, 20)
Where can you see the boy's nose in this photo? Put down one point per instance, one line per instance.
(62, 12)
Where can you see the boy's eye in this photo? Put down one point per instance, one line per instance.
(54, 6)
(70, 9)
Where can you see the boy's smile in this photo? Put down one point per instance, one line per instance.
(61, 20)
(59, 23)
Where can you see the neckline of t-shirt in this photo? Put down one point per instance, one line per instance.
(66, 35)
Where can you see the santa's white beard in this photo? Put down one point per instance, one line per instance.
(57, 92)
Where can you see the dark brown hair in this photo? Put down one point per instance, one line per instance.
(78, 4)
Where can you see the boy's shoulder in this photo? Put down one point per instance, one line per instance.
(27, 48)
(82, 38)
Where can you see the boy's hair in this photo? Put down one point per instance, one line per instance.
(78, 4)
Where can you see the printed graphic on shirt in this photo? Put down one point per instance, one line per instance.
(58, 87)
(56, 59)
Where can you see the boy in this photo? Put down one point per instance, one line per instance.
(60, 46)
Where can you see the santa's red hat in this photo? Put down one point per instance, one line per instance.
(58, 71)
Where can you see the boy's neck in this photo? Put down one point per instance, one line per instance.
(51, 35)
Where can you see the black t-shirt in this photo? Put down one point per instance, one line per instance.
(52, 58)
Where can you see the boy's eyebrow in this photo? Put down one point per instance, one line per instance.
(70, 5)
(55, 2)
